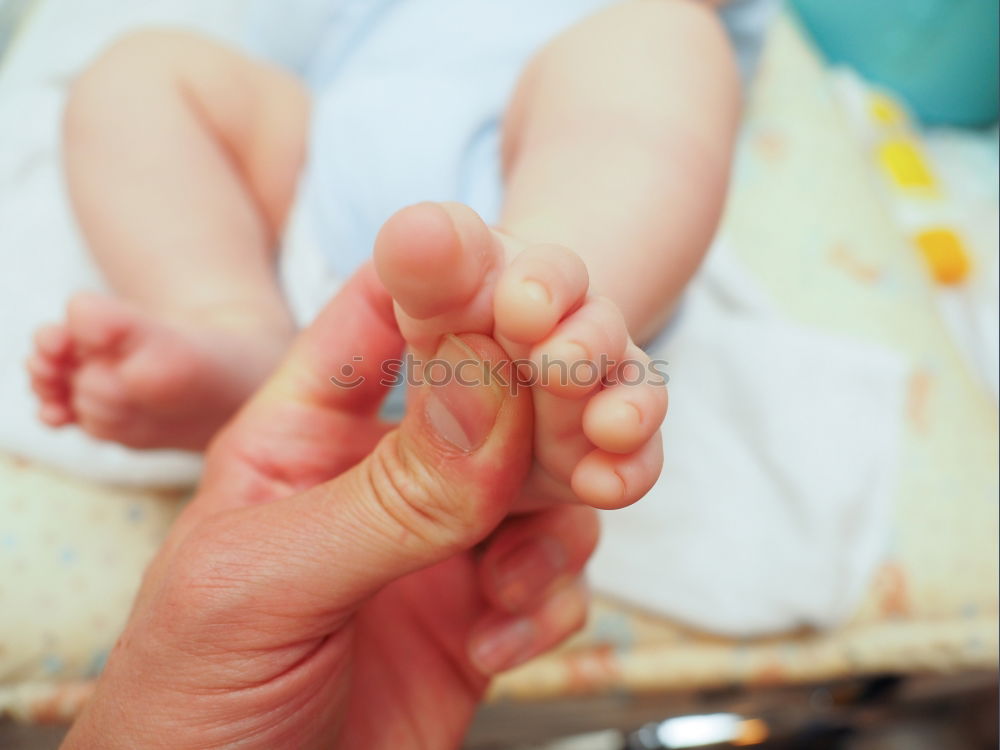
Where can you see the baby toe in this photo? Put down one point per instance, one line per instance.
(49, 382)
(47, 391)
(55, 414)
(98, 324)
(540, 286)
(438, 261)
(433, 257)
(44, 369)
(622, 417)
(54, 342)
(610, 481)
(98, 391)
(103, 420)
(584, 348)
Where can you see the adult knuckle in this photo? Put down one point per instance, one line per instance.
(414, 496)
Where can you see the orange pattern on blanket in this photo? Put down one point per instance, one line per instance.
(771, 674)
(892, 590)
(917, 397)
(595, 667)
(771, 145)
(841, 257)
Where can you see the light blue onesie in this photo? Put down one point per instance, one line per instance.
(408, 101)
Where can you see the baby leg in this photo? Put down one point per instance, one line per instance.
(617, 144)
(616, 151)
(181, 159)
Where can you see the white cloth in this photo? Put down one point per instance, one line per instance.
(773, 508)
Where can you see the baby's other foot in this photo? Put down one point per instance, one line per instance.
(124, 375)
(598, 403)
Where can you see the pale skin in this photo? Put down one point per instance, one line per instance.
(615, 170)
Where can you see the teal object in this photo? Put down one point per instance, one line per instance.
(939, 55)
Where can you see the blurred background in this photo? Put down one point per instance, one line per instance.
(818, 567)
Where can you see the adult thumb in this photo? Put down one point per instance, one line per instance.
(436, 485)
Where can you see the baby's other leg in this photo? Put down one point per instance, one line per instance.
(617, 144)
(182, 158)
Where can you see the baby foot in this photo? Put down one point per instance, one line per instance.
(598, 404)
(123, 375)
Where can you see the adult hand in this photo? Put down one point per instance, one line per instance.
(330, 584)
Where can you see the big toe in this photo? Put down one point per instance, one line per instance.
(99, 324)
(541, 286)
(439, 262)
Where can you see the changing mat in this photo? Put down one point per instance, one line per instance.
(826, 262)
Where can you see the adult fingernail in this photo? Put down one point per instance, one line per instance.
(503, 645)
(463, 401)
(527, 571)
